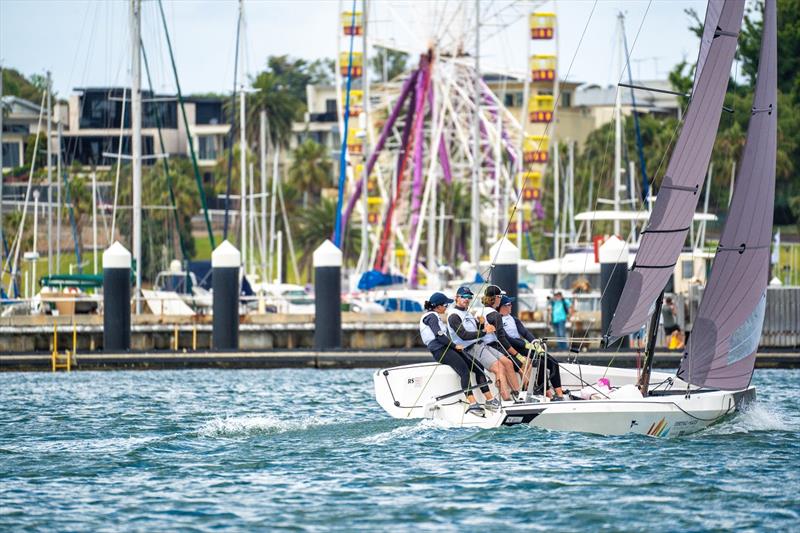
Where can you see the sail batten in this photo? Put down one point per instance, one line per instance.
(722, 349)
(664, 236)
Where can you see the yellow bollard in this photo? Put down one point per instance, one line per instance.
(194, 337)
(54, 355)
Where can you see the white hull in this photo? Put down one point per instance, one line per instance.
(416, 391)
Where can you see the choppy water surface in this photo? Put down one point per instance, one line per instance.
(311, 449)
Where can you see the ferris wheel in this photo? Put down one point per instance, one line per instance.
(439, 130)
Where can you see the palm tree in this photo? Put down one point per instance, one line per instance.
(310, 170)
(315, 224)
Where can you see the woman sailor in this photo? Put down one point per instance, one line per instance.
(523, 340)
(468, 333)
(434, 335)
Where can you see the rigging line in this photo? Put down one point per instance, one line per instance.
(18, 239)
(337, 232)
(170, 187)
(519, 195)
(197, 177)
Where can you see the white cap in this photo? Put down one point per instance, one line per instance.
(327, 255)
(504, 252)
(614, 250)
(226, 256)
(116, 256)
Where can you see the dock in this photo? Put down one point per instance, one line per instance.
(164, 360)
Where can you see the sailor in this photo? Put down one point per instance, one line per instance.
(525, 342)
(434, 334)
(466, 332)
(491, 299)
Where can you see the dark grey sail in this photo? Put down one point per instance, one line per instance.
(663, 238)
(713, 11)
(722, 348)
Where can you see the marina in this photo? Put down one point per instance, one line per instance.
(402, 245)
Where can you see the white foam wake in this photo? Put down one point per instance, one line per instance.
(756, 417)
(401, 433)
(255, 424)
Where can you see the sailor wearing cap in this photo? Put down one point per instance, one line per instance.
(466, 331)
(525, 342)
(434, 334)
(492, 296)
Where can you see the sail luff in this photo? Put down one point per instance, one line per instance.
(663, 238)
(713, 11)
(721, 351)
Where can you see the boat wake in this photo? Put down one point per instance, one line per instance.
(757, 417)
(236, 426)
(402, 433)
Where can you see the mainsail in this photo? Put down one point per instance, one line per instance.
(672, 214)
(713, 11)
(725, 336)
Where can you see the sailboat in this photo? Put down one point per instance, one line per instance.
(713, 380)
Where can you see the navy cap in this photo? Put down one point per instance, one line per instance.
(437, 298)
(493, 290)
(464, 291)
(506, 300)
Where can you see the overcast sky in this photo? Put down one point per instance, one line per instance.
(86, 42)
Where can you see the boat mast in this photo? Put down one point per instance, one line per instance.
(475, 223)
(652, 333)
(60, 131)
(364, 256)
(618, 128)
(136, 143)
(262, 138)
(49, 174)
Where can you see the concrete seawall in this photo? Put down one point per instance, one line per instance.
(312, 359)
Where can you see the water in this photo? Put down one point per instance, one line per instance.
(310, 449)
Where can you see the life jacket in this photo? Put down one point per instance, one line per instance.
(510, 327)
(426, 332)
(468, 323)
(485, 312)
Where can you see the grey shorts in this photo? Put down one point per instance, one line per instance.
(486, 355)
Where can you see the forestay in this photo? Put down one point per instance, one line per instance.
(663, 238)
(722, 350)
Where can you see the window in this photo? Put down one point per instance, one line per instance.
(209, 112)
(11, 155)
(207, 147)
(330, 105)
(687, 269)
(566, 99)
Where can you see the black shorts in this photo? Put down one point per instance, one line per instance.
(671, 329)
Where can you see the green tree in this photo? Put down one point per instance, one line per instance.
(310, 170)
(393, 62)
(15, 84)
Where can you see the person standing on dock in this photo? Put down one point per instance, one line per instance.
(434, 334)
(560, 310)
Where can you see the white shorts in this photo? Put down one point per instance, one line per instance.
(486, 355)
